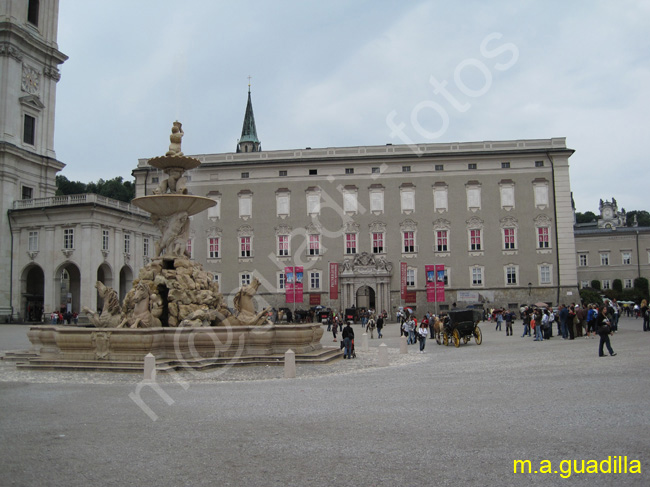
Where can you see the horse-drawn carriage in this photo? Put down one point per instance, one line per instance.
(459, 325)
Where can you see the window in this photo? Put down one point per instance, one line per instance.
(545, 274)
(542, 238)
(582, 260)
(604, 258)
(32, 12)
(214, 212)
(213, 248)
(281, 281)
(509, 239)
(314, 280)
(283, 245)
(313, 204)
(375, 170)
(410, 277)
(245, 247)
(217, 278)
(350, 243)
(378, 243)
(314, 244)
(127, 243)
(313, 172)
(145, 246)
(511, 275)
(606, 284)
(408, 200)
(377, 200)
(409, 242)
(477, 276)
(440, 199)
(539, 163)
(473, 191)
(189, 247)
(505, 165)
(439, 167)
(627, 283)
(350, 200)
(28, 193)
(68, 238)
(584, 284)
(626, 258)
(406, 168)
(442, 240)
(244, 279)
(154, 180)
(475, 239)
(105, 236)
(471, 166)
(29, 130)
(282, 173)
(245, 205)
(282, 201)
(32, 242)
(349, 170)
(244, 175)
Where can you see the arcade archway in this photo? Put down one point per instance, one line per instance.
(68, 288)
(365, 298)
(126, 281)
(32, 290)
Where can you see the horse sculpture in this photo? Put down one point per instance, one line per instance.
(245, 306)
(111, 314)
(142, 316)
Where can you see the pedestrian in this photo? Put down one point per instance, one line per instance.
(564, 321)
(527, 318)
(423, 331)
(371, 326)
(380, 326)
(604, 330)
(644, 313)
(499, 320)
(334, 329)
(592, 314)
(348, 335)
(539, 326)
(509, 317)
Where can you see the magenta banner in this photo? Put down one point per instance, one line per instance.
(293, 284)
(402, 266)
(435, 283)
(334, 280)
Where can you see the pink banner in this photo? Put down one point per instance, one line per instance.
(403, 267)
(293, 284)
(435, 283)
(334, 280)
(289, 280)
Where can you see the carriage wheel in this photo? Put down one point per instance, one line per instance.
(439, 338)
(456, 337)
(445, 339)
(478, 336)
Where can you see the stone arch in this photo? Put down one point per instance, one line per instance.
(126, 281)
(67, 287)
(32, 291)
(104, 275)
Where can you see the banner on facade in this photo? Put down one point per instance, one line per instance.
(293, 284)
(334, 280)
(402, 266)
(467, 296)
(435, 283)
(314, 299)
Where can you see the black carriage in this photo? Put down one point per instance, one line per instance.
(461, 324)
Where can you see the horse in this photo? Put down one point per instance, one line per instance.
(142, 316)
(111, 312)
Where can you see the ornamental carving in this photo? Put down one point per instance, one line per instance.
(245, 231)
(52, 72)
(542, 221)
(313, 228)
(351, 227)
(441, 224)
(214, 232)
(474, 223)
(408, 226)
(7, 49)
(283, 230)
(509, 222)
(366, 263)
(377, 227)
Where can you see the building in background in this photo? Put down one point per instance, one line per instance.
(52, 249)
(366, 225)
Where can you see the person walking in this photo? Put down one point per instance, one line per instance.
(348, 335)
(509, 317)
(499, 320)
(380, 325)
(334, 329)
(423, 331)
(604, 329)
(371, 326)
(644, 313)
(539, 326)
(526, 318)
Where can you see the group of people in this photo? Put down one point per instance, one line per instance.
(416, 333)
(61, 317)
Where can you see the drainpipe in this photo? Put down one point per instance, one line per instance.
(11, 268)
(638, 256)
(557, 242)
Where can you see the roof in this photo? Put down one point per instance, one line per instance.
(248, 131)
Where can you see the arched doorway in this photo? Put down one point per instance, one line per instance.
(68, 288)
(366, 297)
(126, 281)
(32, 286)
(104, 275)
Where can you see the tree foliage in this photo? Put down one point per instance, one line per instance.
(595, 284)
(115, 188)
(642, 218)
(586, 217)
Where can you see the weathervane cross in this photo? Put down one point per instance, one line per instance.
(249, 82)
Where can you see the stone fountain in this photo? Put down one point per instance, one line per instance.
(174, 309)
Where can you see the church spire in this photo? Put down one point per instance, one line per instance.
(248, 142)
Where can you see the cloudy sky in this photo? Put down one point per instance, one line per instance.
(331, 73)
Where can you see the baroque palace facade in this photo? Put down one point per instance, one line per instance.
(52, 249)
(370, 226)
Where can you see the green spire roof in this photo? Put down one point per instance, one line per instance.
(248, 131)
